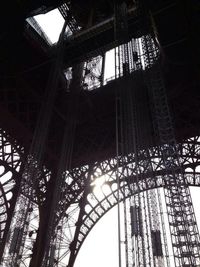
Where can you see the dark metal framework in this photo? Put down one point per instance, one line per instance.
(95, 206)
(31, 234)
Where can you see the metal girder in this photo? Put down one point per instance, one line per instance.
(102, 191)
(95, 206)
(182, 220)
(97, 39)
(10, 168)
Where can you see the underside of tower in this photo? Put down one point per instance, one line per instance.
(66, 125)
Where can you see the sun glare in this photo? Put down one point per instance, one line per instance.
(98, 182)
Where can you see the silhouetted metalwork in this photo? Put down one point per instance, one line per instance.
(59, 170)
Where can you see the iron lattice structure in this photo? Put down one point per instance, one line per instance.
(75, 170)
(96, 206)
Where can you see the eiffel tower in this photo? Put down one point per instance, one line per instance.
(75, 140)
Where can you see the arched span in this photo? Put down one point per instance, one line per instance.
(94, 213)
(99, 192)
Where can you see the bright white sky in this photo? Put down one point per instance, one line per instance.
(51, 23)
(101, 246)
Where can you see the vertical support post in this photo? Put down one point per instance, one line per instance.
(182, 221)
(33, 165)
(118, 181)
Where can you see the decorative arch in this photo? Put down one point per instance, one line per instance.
(92, 205)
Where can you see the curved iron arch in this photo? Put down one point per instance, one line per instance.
(99, 210)
(190, 157)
